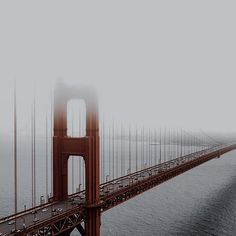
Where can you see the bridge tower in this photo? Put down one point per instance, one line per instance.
(87, 147)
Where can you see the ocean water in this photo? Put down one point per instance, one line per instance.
(201, 201)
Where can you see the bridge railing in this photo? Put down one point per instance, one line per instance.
(166, 165)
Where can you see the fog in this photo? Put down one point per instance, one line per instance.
(153, 63)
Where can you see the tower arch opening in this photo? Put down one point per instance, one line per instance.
(76, 118)
(76, 174)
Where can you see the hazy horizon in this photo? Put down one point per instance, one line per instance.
(153, 63)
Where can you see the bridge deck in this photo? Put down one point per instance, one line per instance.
(54, 218)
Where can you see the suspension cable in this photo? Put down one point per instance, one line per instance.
(15, 149)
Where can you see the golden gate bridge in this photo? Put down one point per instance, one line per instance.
(115, 165)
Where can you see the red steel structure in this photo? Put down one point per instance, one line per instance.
(123, 189)
(87, 147)
(99, 198)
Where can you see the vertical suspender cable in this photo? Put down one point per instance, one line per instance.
(170, 146)
(149, 153)
(141, 144)
(124, 151)
(104, 151)
(129, 150)
(101, 150)
(185, 143)
(46, 156)
(142, 148)
(177, 143)
(160, 147)
(72, 171)
(150, 146)
(113, 150)
(170, 138)
(51, 139)
(170, 153)
(136, 149)
(146, 145)
(156, 146)
(165, 144)
(172, 142)
(32, 156)
(181, 143)
(15, 149)
(155, 150)
(109, 151)
(80, 164)
(145, 155)
(193, 143)
(83, 165)
(34, 153)
(190, 142)
(117, 155)
(121, 150)
(146, 140)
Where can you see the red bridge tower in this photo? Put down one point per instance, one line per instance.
(87, 147)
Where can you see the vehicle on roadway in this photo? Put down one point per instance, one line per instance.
(82, 196)
(35, 219)
(15, 231)
(11, 222)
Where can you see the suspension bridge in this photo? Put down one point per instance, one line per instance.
(115, 165)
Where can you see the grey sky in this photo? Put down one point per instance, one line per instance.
(168, 63)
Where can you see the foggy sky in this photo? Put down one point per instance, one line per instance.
(153, 63)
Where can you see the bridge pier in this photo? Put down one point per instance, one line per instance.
(93, 214)
(93, 222)
(87, 147)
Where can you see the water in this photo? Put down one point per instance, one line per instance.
(199, 202)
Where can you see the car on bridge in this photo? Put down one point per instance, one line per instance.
(11, 222)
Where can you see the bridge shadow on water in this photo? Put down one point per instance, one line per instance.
(217, 216)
